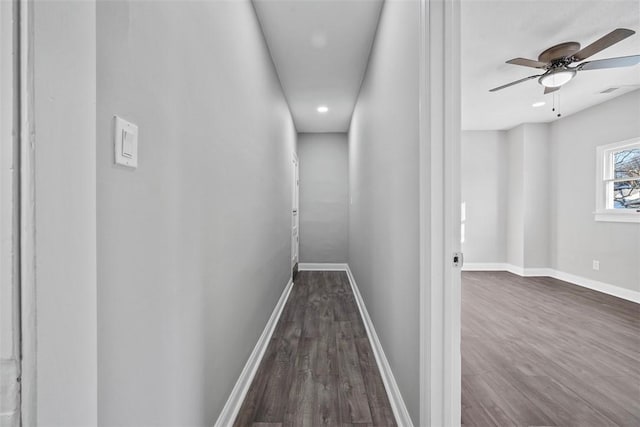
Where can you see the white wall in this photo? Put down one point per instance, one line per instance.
(324, 196)
(65, 156)
(578, 238)
(484, 181)
(383, 182)
(194, 245)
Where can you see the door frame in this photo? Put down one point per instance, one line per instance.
(440, 281)
(10, 193)
(28, 324)
(295, 215)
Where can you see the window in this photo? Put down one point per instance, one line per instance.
(618, 182)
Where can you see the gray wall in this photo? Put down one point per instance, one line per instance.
(194, 245)
(65, 186)
(383, 182)
(484, 185)
(537, 196)
(550, 224)
(528, 193)
(324, 196)
(515, 196)
(578, 238)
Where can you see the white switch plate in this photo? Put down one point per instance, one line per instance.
(596, 264)
(125, 143)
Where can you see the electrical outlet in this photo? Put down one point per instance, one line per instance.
(596, 264)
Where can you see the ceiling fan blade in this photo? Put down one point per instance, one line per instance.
(551, 89)
(622, 61)
(513, 83)
(527, 63)
(603, 42)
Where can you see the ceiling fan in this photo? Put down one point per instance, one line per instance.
(557, 61)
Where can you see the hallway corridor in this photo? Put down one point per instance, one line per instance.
(319, 368)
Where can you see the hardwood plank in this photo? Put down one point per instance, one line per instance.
(302, 400)
(352, 395)
(252, 400)
(301, 380)
(381, 413)
(539, 350)
(273, 403)
(327, 409)
(302, 396)
(326, 363)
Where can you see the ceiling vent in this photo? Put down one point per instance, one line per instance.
(611, 89)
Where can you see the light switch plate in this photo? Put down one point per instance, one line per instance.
(125, 143)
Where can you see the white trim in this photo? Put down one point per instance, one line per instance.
(604, 164)
(605, 288)
(239, 392)
(537, 272)
(27, 218)
(610, 215)
(322, 266)
(503, 266)
(528, 272)
(393, 392)
(439, 200)
(10, 223)
(485, 266)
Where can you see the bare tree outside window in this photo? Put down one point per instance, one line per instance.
(626, 188)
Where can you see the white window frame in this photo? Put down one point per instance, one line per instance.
(604, 165)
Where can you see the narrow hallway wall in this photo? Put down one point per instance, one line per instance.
(64, 79)
(324, 197)
(194, 245)
(383, 183)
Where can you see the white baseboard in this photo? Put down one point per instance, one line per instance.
(503, 266)
(321, 266)
(605, 288)
(393, 392)
(529, 272)
(485, 266)
(239, 392)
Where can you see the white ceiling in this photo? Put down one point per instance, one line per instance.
(320, 49)
(496, 31)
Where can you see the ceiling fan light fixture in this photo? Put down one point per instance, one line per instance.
(557, 77)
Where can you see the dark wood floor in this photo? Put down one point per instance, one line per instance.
(541, 352)
(319, 369)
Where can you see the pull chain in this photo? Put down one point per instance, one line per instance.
(554, 104)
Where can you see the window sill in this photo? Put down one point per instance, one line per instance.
(617, 216)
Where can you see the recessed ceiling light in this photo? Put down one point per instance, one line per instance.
(323, 109)
(538, 104)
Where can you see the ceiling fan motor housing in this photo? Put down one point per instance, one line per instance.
(560, 54)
